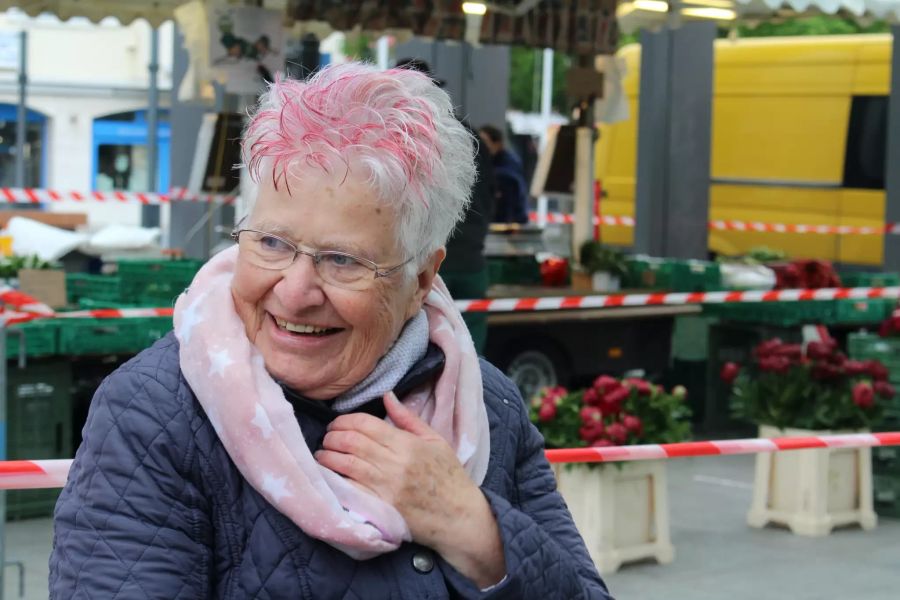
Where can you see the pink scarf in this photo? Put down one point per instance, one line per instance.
(257, 426)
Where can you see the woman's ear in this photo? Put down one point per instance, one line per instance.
(426, 275)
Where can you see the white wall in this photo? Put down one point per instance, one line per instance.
(79, 71)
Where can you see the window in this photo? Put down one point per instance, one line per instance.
(121, 158)
(866, 158)
(34, 147)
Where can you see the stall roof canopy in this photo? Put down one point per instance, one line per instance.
(154, 11)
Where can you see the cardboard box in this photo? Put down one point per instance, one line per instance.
(46, 285)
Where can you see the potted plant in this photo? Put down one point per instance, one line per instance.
(621, 510)
(789, 390)
(607, 266)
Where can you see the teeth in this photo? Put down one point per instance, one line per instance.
(299, 327)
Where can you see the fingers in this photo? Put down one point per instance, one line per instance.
(353, 467)
(404, 418)
(357, 444)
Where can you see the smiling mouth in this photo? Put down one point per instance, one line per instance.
(305, 329)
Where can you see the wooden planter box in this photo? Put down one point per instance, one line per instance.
(812, 491)
(622, 512)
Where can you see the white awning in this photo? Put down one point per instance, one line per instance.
(154, 11)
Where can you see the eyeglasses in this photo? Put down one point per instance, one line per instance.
(269, 251)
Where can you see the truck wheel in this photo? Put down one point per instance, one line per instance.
(532, 370)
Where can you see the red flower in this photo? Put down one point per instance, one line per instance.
(767, 348)
(591, 415)
(601, 443)
(547, 412)
(877, 371)
(589, 433)
(856, 367)
(729, 372)
(838, 359)
(819, 350)
(792, 352)
(643, 388)
(884, 389)
(605, 383)
(825, 371)
(591, 397)
(633, 424)
(611, 403)
(863, 395)
(775, 364)
(617, 433)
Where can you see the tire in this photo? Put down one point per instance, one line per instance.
(533, 368)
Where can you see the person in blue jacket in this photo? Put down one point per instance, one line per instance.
(511, 204)
(319, 425)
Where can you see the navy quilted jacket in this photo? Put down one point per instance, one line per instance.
(154, 508)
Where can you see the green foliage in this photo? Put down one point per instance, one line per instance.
(11, 265)
(595, 257)
(525, 69)
(816, 25)
(612, 412)
(359, 47)
(759, 255)
(818, 390)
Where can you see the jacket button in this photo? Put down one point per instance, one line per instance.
(422, 561)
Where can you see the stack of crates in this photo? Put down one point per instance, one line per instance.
(97, 288)
(663, 274)
(848, 311)
(156, 283)
(885, 460)
(41, 338)
(514, 270)
(81, 337)
(39, 426)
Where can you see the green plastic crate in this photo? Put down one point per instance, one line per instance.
(779, 314)
(156, 281)
(41, 338)
(867, 346)
(849, 311)
(886, 492)
(39, 427)
(886, 460)
(868, 279)
(111, 336)
(695, 276)
(645, 272)
(95, 287)
(513, 270)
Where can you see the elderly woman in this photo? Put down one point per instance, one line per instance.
(318, 425)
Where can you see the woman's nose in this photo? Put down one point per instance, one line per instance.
(300, 285)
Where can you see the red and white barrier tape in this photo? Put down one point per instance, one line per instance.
(719, 225)
(722, 447)
(42, 196)
(33, 474)
(670, 299)
(538, 304)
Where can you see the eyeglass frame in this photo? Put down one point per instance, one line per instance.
(316, 255)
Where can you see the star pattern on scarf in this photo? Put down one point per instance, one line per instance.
(190, 318)
(261, 421)
(275, 487)
(218, 361)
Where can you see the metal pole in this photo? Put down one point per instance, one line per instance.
(2, 455)
(150, 215)
(153, 113)
(22, 113)
(383, 52)
(892, 176)
(546, 93)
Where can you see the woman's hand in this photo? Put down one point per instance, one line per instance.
(411, 467)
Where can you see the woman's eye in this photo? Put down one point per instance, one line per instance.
(269, 242)
(341, 260)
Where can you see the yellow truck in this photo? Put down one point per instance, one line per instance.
(799, 137)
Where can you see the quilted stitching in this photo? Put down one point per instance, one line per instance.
(154, 508)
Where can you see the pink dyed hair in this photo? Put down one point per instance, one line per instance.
(396, 126)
